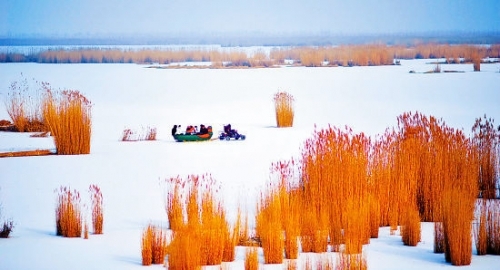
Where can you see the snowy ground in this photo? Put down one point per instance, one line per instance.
(131, 174)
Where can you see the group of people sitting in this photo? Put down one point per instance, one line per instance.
(191, 130)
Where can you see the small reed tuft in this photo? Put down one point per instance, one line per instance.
(68, 213)
(283, 103)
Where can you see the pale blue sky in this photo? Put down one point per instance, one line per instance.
(129, 17)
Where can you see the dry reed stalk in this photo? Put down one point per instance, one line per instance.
(493, 227)
(97, 209)
(184, 252)
(410, 230)
(68, 117)
(334, 168)
(154, 245)
(308, 264)
(86, 231)
(283, 104)
(374, 213)
(457, 216)
(127, 135)
(347, 261)
(380, 183)
(213, 230)
(147, 245)
(232, 236)
(68, 213)
(174, 204)
(487, 230)
(160, 244)
(480, 232)
(356, 225)
(290, 206)
(206, 233)
(193, 210)
(487, 140)
(251, 259)
(244, 236)
(292, 233)
(291, 264)
(438, 237)
(269, 227)
(150, 134)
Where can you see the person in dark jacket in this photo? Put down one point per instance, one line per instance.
(203, 129)
(174, 130)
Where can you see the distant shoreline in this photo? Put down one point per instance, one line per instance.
(259, 39)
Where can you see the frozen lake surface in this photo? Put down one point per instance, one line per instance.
(130, 175)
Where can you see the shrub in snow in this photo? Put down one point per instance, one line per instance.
(6, 229)
(283, 104)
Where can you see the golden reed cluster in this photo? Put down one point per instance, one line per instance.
(69, 218)
(201, 234)
(154, 245)
(283, 104)
(68, 213)
(68, 117)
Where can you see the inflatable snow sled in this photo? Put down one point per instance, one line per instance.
(195, 137)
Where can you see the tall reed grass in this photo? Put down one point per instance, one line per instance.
(201, 232)
(68, 116)
(334, 177)
(68, 213)
(283, 104)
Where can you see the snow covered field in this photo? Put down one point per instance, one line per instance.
(131, 174)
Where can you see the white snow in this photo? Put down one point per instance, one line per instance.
(131, 174)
